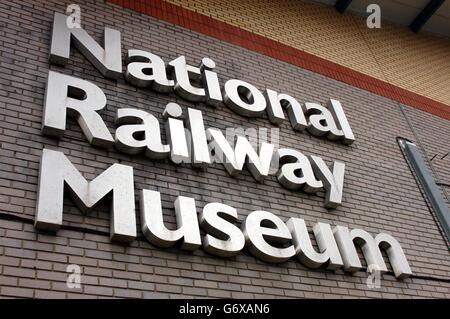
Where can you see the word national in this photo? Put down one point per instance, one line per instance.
(264, 234)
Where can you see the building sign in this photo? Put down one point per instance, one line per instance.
(264, 234)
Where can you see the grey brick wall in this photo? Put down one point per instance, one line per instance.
(380, 193)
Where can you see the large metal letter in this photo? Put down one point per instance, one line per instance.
(210, 82)
(395, 255)
(254, 103)
(347, 249)
(182, 74)
(145, 69)
(333, 180)
(176, 134)
(80, 99)
(346, 241)
(144, 123)
(108, 60)
(260, 227)
(322, 122)
(296, 172)
(224, 238)
(234, 160)
(56, 171)
(341, 120)
(294, 109)
(153, 225)
(200, 150)
(328, 250)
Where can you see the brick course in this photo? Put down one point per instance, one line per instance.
(380, 193)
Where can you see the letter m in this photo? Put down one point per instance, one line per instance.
(107, 60)
(58, 173)
(370, 248)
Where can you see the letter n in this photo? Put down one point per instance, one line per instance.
(57, 172)
(107, 60)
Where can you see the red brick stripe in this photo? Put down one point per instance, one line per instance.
(206, 25)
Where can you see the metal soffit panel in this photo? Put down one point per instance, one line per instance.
(403, 12)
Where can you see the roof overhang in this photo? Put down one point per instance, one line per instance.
(428, 16)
